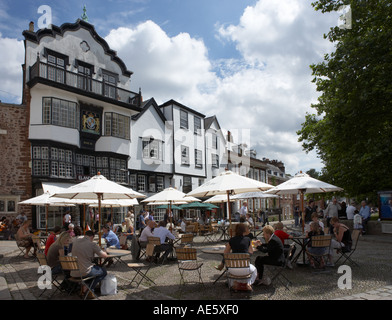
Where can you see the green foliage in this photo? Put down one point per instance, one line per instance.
(351, 127)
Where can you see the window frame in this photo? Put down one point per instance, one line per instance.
(184, 123)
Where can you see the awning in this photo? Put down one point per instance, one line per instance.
(54, 187)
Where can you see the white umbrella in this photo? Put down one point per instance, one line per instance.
(46, 200)
(169, 196)
(229, 183)
(219, 198)
(98, 188)
(302, 183)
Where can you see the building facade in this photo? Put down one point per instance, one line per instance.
(79, 117)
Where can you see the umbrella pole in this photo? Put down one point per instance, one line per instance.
(46, 220)
(229, 210)
(99, 218)
(254, 220)
(171, 216)
(84, 218)
(302, 210)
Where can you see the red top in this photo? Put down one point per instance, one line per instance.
(51, 239)
(281, 235)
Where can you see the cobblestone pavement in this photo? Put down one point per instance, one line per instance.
(370, 281)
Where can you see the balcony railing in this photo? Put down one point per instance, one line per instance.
(81, 82)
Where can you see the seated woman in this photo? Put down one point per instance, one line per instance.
(56, 250)
(342, 238)
(24, 239)
(315, 230)
(275, 257)
(240, 243)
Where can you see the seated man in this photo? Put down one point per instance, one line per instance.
(85, 249)
(162, 233)
(111, 238)
(147, 232)
(275, 257)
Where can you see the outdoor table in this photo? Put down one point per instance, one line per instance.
(116, 254)
(224, 236)
(215, 250)
(301, 241)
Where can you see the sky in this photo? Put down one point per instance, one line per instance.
(245, 61)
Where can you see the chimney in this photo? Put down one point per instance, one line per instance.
(31, 26)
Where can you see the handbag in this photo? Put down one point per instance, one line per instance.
(241, 286)
(109, 285)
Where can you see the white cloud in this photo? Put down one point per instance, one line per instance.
(268, 90)
(12, 55)
(164, 67)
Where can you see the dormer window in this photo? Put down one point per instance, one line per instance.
(56, 65)
(85, 72)
(109, 84)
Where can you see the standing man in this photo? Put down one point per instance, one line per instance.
(350, 211)
(244, 210)
(296, 215)
(67, 220)
(85, 249)
(365, 213)
(332, 211)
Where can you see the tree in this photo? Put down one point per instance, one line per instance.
(351, 129)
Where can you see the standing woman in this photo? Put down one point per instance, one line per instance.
(24, 239)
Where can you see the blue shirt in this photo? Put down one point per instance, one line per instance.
(162, 233)
(365, 212)
(112, 239)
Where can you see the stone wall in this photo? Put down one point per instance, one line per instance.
(15, 173)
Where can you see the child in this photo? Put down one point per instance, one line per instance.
(283, 236)
(357, 221)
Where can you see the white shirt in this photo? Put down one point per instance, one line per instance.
(146, 233)
(67, 218)
(183, 226)
(350, 212)
(243, 210)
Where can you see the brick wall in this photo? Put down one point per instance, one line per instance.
(15, 173)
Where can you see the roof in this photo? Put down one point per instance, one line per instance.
(55, 30)
(145, 106)
(171, 101)
(209, 121)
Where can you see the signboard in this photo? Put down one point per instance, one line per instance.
(385, 205)
(91, 122)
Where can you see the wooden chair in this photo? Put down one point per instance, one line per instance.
(187, 261)
(43, 262)
(322, 241)
(156, 241)
(123, 241)
(235, 261)
(186, 239)
(139, 266)
(71, 264)
(206, 232)
(37, 243)
(190, 229)
(347, 255)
